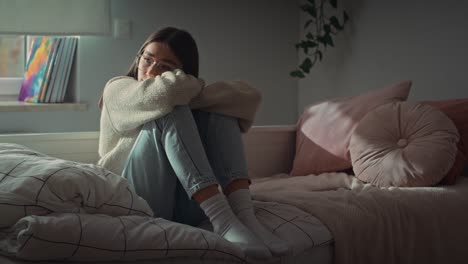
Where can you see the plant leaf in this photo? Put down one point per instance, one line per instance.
(321, 40)
(312, 2)
(345, 17)
(334, 22)
(328, 39)
(319, 54)
(311, 44)
(327, 28)
(334, 3)
(306, 65)
(301, 45)
(309, 9)
(297, 73)
(309, 36)
(308, 23)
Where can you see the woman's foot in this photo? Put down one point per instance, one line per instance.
(241, 204)
(227, 225)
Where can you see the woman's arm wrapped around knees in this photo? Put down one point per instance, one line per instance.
(232, 98)
(129, 103)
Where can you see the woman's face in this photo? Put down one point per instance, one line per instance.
(157, 57)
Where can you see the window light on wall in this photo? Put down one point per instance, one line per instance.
(21, 18)
(55, 17)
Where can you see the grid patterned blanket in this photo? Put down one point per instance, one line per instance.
(53, 209)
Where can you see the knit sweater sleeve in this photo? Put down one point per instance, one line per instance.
(129, 103)
(232, 98)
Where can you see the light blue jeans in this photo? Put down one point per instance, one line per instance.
(180, 153)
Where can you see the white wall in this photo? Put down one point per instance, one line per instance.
(385, 41)
(237, 39)
(388, 41)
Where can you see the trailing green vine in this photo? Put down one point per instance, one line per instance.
(320, 28)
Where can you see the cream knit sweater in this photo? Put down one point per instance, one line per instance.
(127, 104)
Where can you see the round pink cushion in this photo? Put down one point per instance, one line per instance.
(403, 144)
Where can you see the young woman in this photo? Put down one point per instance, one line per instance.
(176, 140)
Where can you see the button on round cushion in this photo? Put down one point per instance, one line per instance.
(403, 144)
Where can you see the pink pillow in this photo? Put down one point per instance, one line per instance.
(404, 144)
(325, 128)
(457, 110)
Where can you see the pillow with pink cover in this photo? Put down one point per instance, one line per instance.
(325, 128)
(457, 110)
(404, 144)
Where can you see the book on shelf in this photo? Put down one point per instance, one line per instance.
(60, 84)
(50, 66)
(36, 69)
(59, 80)
(53, 76)
(48, 69)
(70, 57)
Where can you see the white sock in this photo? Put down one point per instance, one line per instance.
(227, 225)
(241, 204)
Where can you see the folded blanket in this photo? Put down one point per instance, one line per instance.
(379, 225)
(98, 237)
(32, 183)
(53, 209)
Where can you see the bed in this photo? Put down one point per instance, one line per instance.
(326, 218)
(310, 239)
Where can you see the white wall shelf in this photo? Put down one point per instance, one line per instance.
(15, 106)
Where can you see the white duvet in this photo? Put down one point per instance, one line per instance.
(61, 210)
(53, 209)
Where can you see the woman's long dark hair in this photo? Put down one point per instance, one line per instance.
(182, 45)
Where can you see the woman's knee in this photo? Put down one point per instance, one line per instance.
(179, 110)
(180, 113)
(209, 121)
